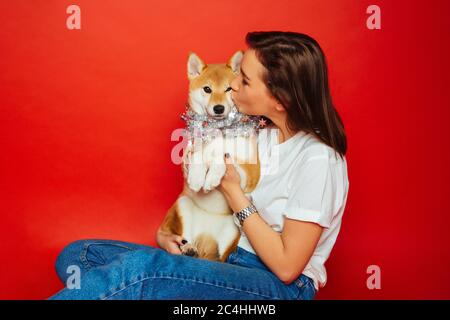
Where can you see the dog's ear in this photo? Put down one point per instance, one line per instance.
(195, 66)
(235, 61)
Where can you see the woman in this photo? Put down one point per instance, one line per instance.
(299, 200)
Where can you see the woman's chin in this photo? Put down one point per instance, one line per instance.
(240, 109)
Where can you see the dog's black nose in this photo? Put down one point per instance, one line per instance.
(218, 109)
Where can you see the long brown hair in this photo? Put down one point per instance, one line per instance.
(297, 76)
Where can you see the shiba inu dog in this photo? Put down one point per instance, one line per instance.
(201, 214)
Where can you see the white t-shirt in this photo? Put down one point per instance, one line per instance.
(301, 179)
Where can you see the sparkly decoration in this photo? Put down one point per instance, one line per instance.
(207, 128)
(262, 123)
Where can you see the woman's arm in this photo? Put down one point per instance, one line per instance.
(285, 254)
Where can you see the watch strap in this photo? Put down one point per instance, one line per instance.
(245, 213)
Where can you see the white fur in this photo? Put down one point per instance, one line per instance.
(207, 164)
(208, 212)
(197, 221)
(198, 101)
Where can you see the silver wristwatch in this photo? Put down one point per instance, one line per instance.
(240, 216)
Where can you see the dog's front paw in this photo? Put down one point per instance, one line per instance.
(214, 177)
(195, 184)
(196, 179)
(189, 250)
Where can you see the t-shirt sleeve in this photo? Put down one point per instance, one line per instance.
(312, 192)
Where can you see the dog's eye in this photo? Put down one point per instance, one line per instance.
(207, 89)
(229, 88)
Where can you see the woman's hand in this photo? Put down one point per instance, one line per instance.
(230, 186)
(169, 242)
(231, 181)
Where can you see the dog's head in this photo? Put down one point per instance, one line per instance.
(209, 85)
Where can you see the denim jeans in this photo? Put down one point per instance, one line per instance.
(112, 269)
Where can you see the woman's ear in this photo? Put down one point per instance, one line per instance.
(279, 106)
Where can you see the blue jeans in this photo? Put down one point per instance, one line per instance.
(112, 269)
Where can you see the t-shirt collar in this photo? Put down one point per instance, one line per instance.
(288, 144)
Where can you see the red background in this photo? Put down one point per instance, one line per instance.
(86, 117)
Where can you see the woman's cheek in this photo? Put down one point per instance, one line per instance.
(235, 99)
(238, 102)
(240, 108)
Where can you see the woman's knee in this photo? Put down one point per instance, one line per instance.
(90, 253)
(70, 256)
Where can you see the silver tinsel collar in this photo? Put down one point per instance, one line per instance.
(236, 124)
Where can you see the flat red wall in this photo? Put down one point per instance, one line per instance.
(86, 117)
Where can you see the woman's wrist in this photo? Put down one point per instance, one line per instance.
(237, 200)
